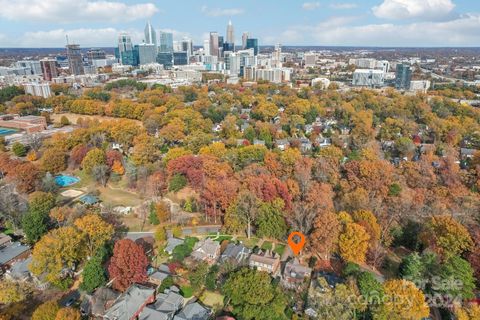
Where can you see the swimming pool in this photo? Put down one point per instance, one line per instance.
(65, 180)
(6, 131)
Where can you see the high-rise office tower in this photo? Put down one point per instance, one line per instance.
(49, 69)
(187, 46)
(150, 34)
(147, 53)
(75, 61)
(166, 42)
(214, 39)
(124, 51)
(252, 43)
(206, 47)
(277, 56)
(230, 33)
(403, 77)
(245, 37)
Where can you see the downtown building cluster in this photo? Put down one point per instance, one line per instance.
(219, 54)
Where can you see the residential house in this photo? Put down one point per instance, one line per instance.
(99, 302)
(130, 304)
(323, 142)
(294, 274)
(160, 274)
(206, 250)
(10, 252)
(265, 261)
(305, 145)
(19, 271)
(257, 142)
(167, 304)
(282, 144)
(194, 311)
(172, 243)
(466, 153)
(237, 254)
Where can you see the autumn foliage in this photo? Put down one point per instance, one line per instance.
(128, 264)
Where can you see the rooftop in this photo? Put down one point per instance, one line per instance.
(11, 251)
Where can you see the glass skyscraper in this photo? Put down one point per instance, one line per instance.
(166, 42)
(252, 43)
(403, 77)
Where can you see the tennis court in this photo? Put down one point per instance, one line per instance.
(6, 131)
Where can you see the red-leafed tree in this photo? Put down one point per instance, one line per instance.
(217, 195)
(26, 176)
(190, 166)
(78, 153)
(268, 188)
(112, 156)
(128, 264)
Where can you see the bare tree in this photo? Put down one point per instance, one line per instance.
(100, 174)
(34, 141)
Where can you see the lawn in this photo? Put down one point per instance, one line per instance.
(219, 238)
(118, 197)
(267, 245)
(211, 299)
(249, 243)
(279, 248)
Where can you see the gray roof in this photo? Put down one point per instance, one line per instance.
(165, 307)
(4, 239)
(11, 251)
(101, 300)
(468, 152)
(159, 275)
(293, 269)
(19, 270)
(237, 252)
(172, 243)
(129, 303)
(193, 311)
(205, 248)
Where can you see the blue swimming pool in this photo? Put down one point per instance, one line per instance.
(65, 181)
(6, 131)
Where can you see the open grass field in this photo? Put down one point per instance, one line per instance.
(118, 197)
(211, 298)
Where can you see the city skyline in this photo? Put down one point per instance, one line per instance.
(429, 23)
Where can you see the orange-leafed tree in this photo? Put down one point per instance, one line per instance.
(324, 238)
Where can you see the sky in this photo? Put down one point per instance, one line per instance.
(384, 23)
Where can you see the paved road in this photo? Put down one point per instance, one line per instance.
(187, 231)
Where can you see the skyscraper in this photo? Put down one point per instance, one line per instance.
(75, 62)
(166, 42)
(230, 33)
(125, 52)
(403, 77)
(187, 46)
(49, 69)
(214, 43)
(252, 44)
(147, 53)
(150, 34)
(206, 47)
(245, 37)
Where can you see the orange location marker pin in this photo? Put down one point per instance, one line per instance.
(296, 241)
